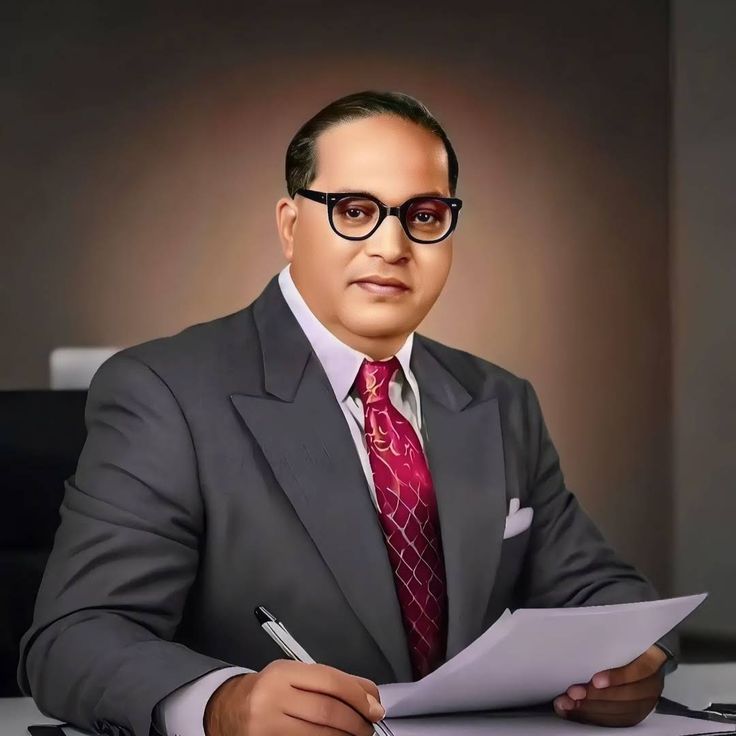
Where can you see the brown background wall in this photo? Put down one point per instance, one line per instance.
(143, 157)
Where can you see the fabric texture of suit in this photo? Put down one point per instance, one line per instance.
(182, 712)
(218, 474)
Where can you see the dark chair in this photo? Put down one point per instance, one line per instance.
(41, 436)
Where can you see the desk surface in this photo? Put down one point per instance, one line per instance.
(16, 714)
(699, 685)
(690, 683)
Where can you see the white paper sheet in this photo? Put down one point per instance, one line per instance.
(534, 654)
(655, 724)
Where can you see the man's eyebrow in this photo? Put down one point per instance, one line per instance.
(433, 193)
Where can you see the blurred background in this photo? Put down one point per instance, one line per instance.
(142, 153)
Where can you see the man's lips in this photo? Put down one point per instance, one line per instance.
(382, 280)
(388, 287)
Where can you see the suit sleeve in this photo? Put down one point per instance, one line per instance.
(99, 653)
(568, 562)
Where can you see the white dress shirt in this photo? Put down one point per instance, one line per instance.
(181, 713)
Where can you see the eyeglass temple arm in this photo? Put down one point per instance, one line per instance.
(311, 194)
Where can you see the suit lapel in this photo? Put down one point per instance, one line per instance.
(302, 431)
(465, 457)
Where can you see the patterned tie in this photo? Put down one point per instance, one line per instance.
(408, 515)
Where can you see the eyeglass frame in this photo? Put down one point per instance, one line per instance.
(332, 198)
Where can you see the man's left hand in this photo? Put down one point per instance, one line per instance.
(622, 696)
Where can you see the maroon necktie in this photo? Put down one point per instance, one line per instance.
(408, 515)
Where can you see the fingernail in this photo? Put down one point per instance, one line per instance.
(576, 692)
(558, 708)
(376, 709)
(601, 680)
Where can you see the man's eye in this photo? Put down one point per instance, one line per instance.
(356, 210)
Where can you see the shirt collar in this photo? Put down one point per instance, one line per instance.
(340, 361)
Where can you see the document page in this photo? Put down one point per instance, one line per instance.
(533, 654)
(655, 724)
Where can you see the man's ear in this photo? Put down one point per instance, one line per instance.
(286, 217)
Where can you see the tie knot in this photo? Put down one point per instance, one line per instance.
(374, 377)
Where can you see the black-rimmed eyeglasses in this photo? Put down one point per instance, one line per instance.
(357, 215)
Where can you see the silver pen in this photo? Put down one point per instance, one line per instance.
(294, 650)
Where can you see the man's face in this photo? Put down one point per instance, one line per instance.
(393, 159)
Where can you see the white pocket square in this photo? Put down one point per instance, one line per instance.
(518, 519)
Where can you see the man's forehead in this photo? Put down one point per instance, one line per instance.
(361, 190)
(382, 158)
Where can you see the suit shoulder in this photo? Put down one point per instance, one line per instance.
(197, 350)
(479, 376)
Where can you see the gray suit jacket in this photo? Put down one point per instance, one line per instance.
(219, 474)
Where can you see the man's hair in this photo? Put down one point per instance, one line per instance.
(301, 155)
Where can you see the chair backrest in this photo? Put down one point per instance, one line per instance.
(41, 436)
(73, 368)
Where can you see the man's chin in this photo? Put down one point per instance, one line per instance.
(378, 319)
(378, 328)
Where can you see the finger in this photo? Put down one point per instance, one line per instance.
(563, 703)
(290, 726)
(612, 706)
(618, 720)
(298, 727)
(321, 678)
(324, 710)
(612, 713)
(638, 669)
(369, 686)
(577, 692)
(651, 687)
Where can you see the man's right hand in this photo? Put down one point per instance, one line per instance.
(288, 698)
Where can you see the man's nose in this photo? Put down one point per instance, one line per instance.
(389, 241)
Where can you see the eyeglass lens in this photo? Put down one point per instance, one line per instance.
(426, 219)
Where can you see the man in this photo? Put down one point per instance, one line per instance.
(313, 454)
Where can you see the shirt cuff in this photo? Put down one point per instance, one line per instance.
(181, 713)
